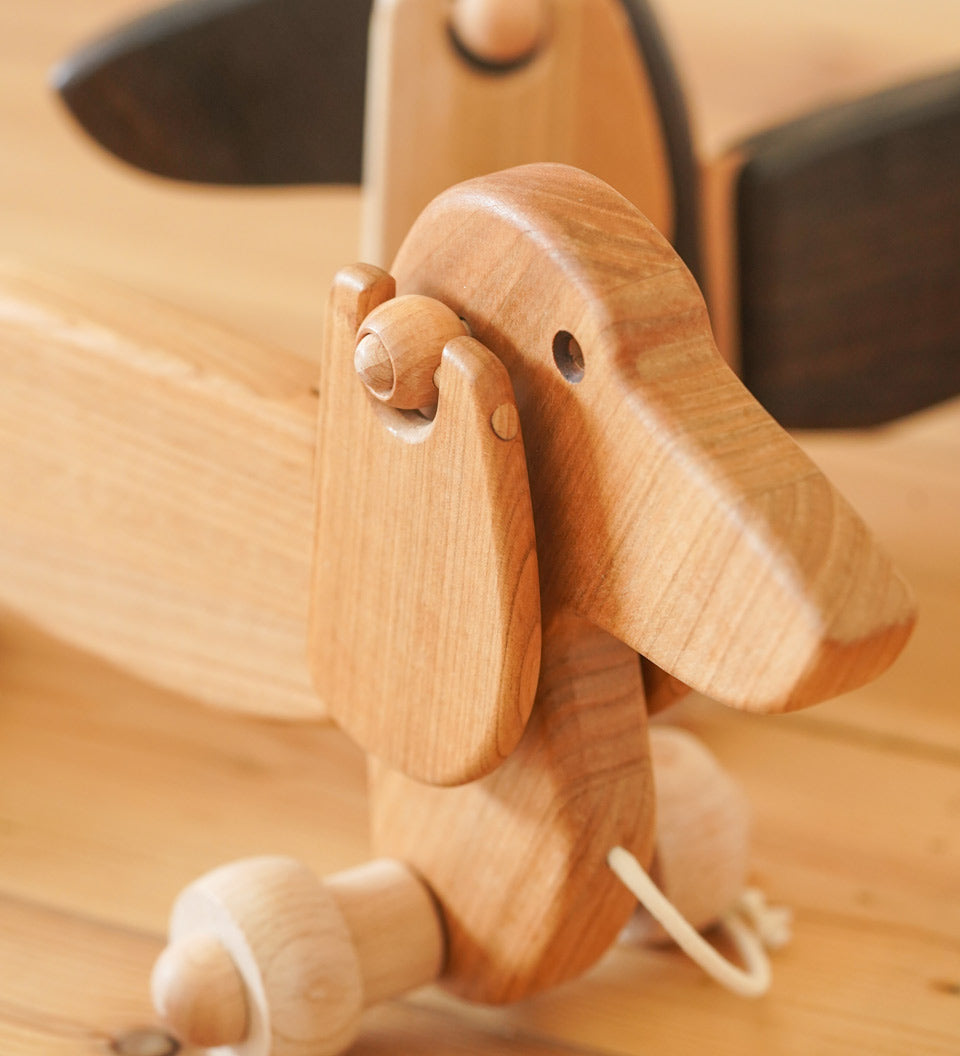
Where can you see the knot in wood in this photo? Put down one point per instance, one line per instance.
(399, 348)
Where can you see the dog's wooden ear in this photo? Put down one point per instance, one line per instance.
(425, 621)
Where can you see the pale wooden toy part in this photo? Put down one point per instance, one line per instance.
(425, 618)
(266, 959)
(499, 32)
(670, 509)
(554, 107)
(517, 860)
(702, 851)
(156, 474)
(199, 993)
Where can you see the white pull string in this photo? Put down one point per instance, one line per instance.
(752, 925)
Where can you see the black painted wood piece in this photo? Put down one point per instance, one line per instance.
(229, 91)
(849, 258)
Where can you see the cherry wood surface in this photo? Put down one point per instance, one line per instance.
(114, 795)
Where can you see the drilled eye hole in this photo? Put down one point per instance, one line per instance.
(568, 356)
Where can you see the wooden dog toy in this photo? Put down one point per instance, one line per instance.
(532, 465)
(822, 216)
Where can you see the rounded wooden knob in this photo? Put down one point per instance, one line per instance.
(399, 347)
(199, 993)
(290, 949)
(265, 957)
(499, 32)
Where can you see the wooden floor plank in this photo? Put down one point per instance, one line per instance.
(840, 989)
(903, 479)
(113, 794)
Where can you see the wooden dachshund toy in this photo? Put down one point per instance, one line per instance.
(821, 218)
(531, 466)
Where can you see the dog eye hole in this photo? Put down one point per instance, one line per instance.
(568, 356)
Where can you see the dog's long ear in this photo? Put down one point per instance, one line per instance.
(425, 623)
(670, 508)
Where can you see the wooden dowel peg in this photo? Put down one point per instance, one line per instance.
(267, 958)
(499, 32)
(399, 348)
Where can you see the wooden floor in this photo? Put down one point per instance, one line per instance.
(113, 795)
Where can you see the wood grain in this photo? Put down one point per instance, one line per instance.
(728, 559)
(873, 884)
(265, 956)
(156, 475)
(555, 107)
(517, 860)
(425, 622)
(632, 357)
(113, 795)
(89, 998)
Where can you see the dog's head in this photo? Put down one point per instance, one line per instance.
(670, 509)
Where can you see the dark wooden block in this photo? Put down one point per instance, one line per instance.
(849, 259)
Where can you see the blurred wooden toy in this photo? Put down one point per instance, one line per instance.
(822, 221)
(532, 465)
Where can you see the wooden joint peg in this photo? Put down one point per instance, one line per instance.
(267, 960)
(399, 348)
(499, 33)
(425, 621)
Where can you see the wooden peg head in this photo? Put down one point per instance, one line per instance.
(399, 348)
(499, 32)
(199, 993)
(260, 958)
